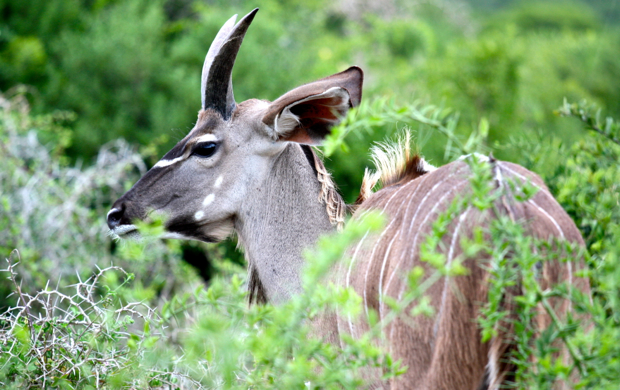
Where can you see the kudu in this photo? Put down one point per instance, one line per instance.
(248, 168)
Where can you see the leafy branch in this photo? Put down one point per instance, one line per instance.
(591, 116)
(383, 111)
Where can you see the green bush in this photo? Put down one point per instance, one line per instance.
(119, 330)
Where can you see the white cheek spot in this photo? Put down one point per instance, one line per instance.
(165, 163)
(218, 182)
(208, 200)
(199, 214)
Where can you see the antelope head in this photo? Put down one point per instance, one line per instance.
(242, 163)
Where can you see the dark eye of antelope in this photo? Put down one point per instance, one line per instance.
(205, 149)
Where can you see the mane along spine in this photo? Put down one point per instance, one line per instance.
(395, 164)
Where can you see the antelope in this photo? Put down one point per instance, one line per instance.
(249, 168)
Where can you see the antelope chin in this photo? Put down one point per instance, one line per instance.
(175, 236)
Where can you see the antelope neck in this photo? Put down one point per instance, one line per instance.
(282, 217)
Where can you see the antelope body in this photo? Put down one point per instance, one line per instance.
(248, 168)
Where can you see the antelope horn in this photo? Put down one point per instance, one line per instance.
(216, 86)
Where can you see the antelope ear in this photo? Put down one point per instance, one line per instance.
(307, 113)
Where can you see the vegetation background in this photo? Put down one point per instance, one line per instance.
(93, 92)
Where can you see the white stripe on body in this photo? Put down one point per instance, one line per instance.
(415, 240)
(444, 292)
(387, 286)
(569, 264)
(372, 253)
(411, 197)
(349, 276)
(354, 257)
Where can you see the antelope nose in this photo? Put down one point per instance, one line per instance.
(115, 216)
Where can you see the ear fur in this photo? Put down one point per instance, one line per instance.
(307, 113)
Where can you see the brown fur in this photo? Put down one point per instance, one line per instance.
(446, 352)
(413, 170)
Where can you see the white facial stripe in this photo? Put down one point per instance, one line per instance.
(203, 138)
(165, 163)
(199, 214)
(208, 200)
(218, 182)
(206, 138)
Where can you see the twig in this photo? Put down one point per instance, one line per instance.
(15, 252)
(582, 112)
(576, 358)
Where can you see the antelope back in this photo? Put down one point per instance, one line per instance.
(445, 351)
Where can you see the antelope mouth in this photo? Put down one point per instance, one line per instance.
(124, 232)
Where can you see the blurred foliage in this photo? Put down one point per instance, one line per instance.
(551, 16)
(131, 68)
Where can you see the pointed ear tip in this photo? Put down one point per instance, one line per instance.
(355, 69)
(355, 72)
(358, 74)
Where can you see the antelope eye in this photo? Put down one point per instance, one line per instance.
(205, 149)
